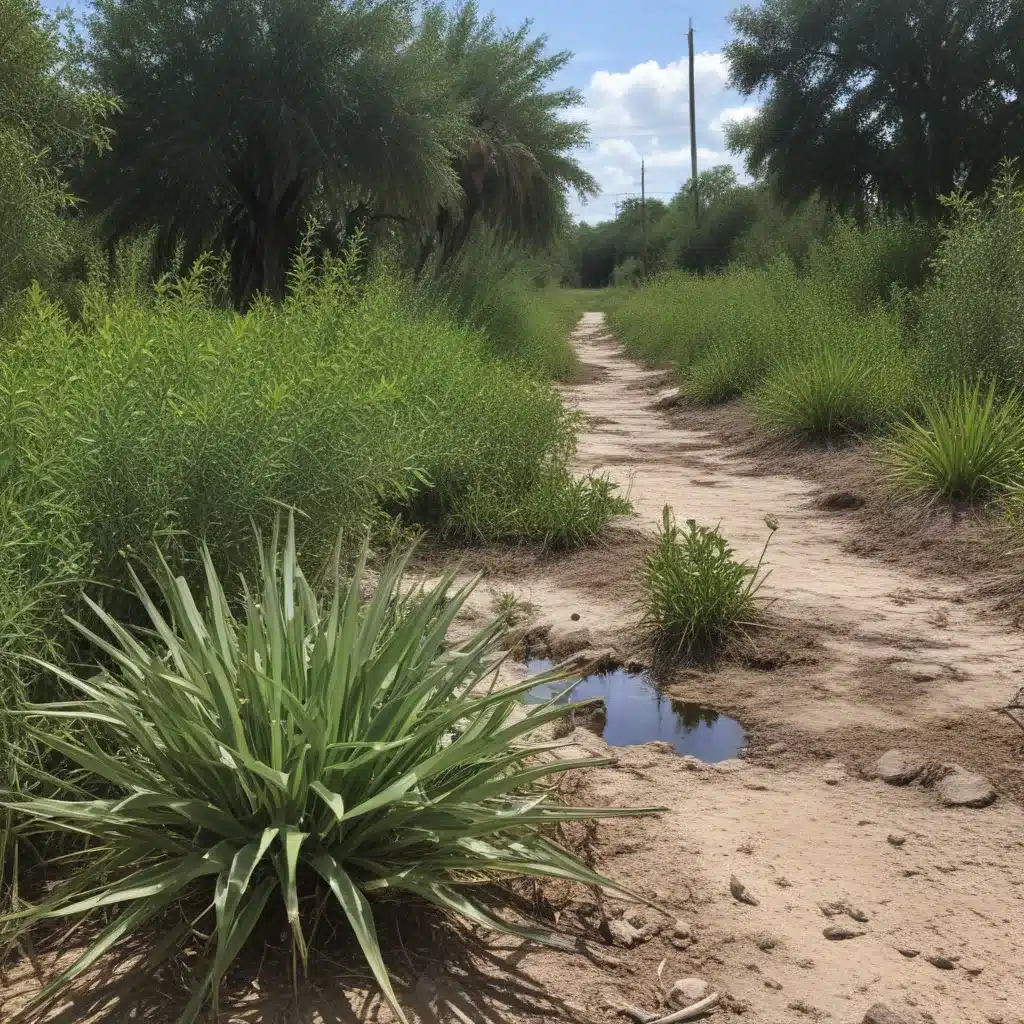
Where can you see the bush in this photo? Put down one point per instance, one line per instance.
(969, 445)
(297, 747)
(489, 286)
(972, 314)
(160, 416)
(697, 594)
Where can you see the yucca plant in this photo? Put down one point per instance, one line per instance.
(697, 593)
(968, 446)
(237, 756)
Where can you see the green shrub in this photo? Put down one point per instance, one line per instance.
(972, 314)
(161, 416)
(489, 286)
(697, 594)
(296, 748)
(968, 445)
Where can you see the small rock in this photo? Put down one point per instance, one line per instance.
(688, 991)
(651, 930)
(757, 787)
(575, 616)
(775, 986)
(777, 748)
(637, 918)
(741, 894)
(660, 747)
(667, 399)
(961, 788)
(837, 932)
(624, 934)
(766, 942)
(882, 1014)
(897, 767)
(942, 962)
(567, 644)
(783, 883)
(838, 501)
(908, 951)
(895, 839)
(973, 968)
(807, 963)
(802, 1006)
(911, 872)
(682, 930)
(865, 821)
(996, 1018)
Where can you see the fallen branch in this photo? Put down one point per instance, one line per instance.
(688, 1013)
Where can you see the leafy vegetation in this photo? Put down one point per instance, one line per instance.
(697, 594)
(966, 446)
(297, 748)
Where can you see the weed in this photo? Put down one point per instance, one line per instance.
(967, 446)
(697, 594)
(301, 747)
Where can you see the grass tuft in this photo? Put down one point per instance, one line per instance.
(338, 750)
(968, 447)
(697, 593)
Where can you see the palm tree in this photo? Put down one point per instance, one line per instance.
(241, 118)
(513, 161)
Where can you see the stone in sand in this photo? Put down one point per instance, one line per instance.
(898, 767)
(624, 934)
(961, 788)
(895, 839)
(837, 932)
(882, 1014)
(741, 894)
(688, 991)
(682, 930)
(939, 960)
(667, 399)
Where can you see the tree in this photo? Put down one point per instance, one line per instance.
(513, 161)
(49, 115)
(241, 118)
(887, 101)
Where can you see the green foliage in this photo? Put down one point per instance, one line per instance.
(870, 101)
(512, 159)
(972, 314)
(161, 416)
(817, 350)
(291, 748)
(49, 115)
(968, 445)
(697, 594)
(488, 284)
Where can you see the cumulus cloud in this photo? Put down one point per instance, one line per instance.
(643, 114)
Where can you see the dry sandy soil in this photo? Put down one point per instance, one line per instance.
(863, 655)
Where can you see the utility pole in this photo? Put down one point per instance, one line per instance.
(643, 212)
(693, 133)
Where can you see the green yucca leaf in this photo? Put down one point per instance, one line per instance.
(244, 756)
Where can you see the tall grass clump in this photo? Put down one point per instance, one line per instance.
(971, 316)
(490, 287)
(968, 445)
(697, 593)
(244, 767)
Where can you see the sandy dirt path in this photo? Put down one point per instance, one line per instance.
(884, 659)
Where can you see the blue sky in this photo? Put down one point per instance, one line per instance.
(630, 62)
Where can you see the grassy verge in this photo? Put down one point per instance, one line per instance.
(160, 417)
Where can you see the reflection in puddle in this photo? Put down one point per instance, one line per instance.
(638, 712)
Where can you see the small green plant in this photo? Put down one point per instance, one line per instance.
(968, 445)
(825, 393)
(333, 750)
(697, 593)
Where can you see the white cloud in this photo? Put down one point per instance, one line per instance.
(644, 114)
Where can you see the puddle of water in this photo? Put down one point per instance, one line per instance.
(638, 712)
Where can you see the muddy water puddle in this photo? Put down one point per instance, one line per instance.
(638, 712)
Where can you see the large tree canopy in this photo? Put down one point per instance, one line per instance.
(879, 100)
(513, 161)
(239, 118)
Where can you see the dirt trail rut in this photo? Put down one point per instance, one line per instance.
(895, 660)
